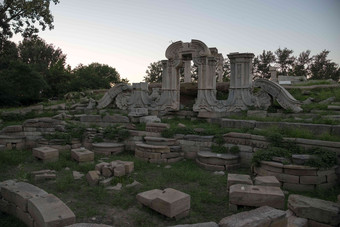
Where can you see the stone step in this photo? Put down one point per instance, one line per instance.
(160, 141)
(256, 196)
(333, 107)
(156, 127)
(217, 159)
(108, 148)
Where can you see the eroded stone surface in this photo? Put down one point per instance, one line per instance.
(238, 179)
(260, 217)
(266, 181)
(46, 153)
(48, 210)
(108, 148)
(315, 209)
(169, 202)
(251, 195)
(82, 155)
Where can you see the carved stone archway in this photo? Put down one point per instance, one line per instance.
(206, 59)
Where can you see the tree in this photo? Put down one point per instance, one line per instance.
(302, 65)
(25, 17)
(58, 80)
(284, 59)
(8, 53)
(262, 62)
(154, 72)
(40, 55)
(323, 68)
(20, 84)
(94, 76)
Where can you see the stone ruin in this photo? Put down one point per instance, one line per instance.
(137, 100)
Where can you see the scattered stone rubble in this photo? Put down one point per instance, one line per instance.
(33, 206)
(43, 175)
(105, 172)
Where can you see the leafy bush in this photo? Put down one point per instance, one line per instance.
(234, 150)
(116, 133)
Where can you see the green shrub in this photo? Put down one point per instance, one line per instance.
(234, 150)
(116, 133)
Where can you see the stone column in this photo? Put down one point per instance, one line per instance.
(169, 99)
(206, 95)
(187, 71)
(240, 97)
(273, 73)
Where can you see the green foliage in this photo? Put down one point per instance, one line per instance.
(262, 62)
(323, 68)
(20, 84)
(22, 16)
(116, 133)
(12, 158)
(234, 150)
(219, 149)
(284, 59)
(94, 76)
(154, 72)
(76, 130)
(324, 158)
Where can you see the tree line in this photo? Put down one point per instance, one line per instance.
(317, 67)
(34, 70)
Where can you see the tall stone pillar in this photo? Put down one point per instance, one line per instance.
(240, 96)
(169, 99)
(206, 94)
(273, 73)
(187, 71)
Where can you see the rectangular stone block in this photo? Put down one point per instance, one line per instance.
(238, 179)
(92, 177)
(300, 170)
(272, 166)
(256, 196)
(173, 160)
(48, 210)
(312, 179)
(46, 153)
(82, 155)
(267, 181)
(3, 206)
(298, 187)
(119, 170)
(287, 178)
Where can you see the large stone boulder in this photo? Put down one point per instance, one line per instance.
(315, 209)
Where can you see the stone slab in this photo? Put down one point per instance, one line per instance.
(209, 166)
(256, 196)
(267, 181)
(108, 148)
(152, 148)
(264, 216)
(92, 177)
(48, 210)
(238, 179)
(315, 209)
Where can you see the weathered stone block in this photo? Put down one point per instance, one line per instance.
(169, 202)
(92, 177)
(107, 171)
(260, 217)
(119, 170)
(116, 119)
(48, 210)
(272, 166)
(287, 178)
(209, 166)
(24, 217)
(300, 170)
(108, 148)
(152, 148)
(312, 179)
(46, 154)
(217, 159)
(267, 181)
(238, 179)
(298, 187)
(249, 195)
(82, 155)
(315, 209)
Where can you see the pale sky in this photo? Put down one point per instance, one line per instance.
(130, 34)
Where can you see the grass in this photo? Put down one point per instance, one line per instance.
(209, 197)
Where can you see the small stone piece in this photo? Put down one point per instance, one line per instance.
(47, 154)
(260, 217)
(133, 184)
(301, 159)
(315, 209)
(118, 187)
(92, 177)
(238, 179)
(267, 181)
(77, 175)
(44, 177)
(107, 171)
(119, 170)
(106, 182)
(149, 119)
(82, 155)
(169, 202)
